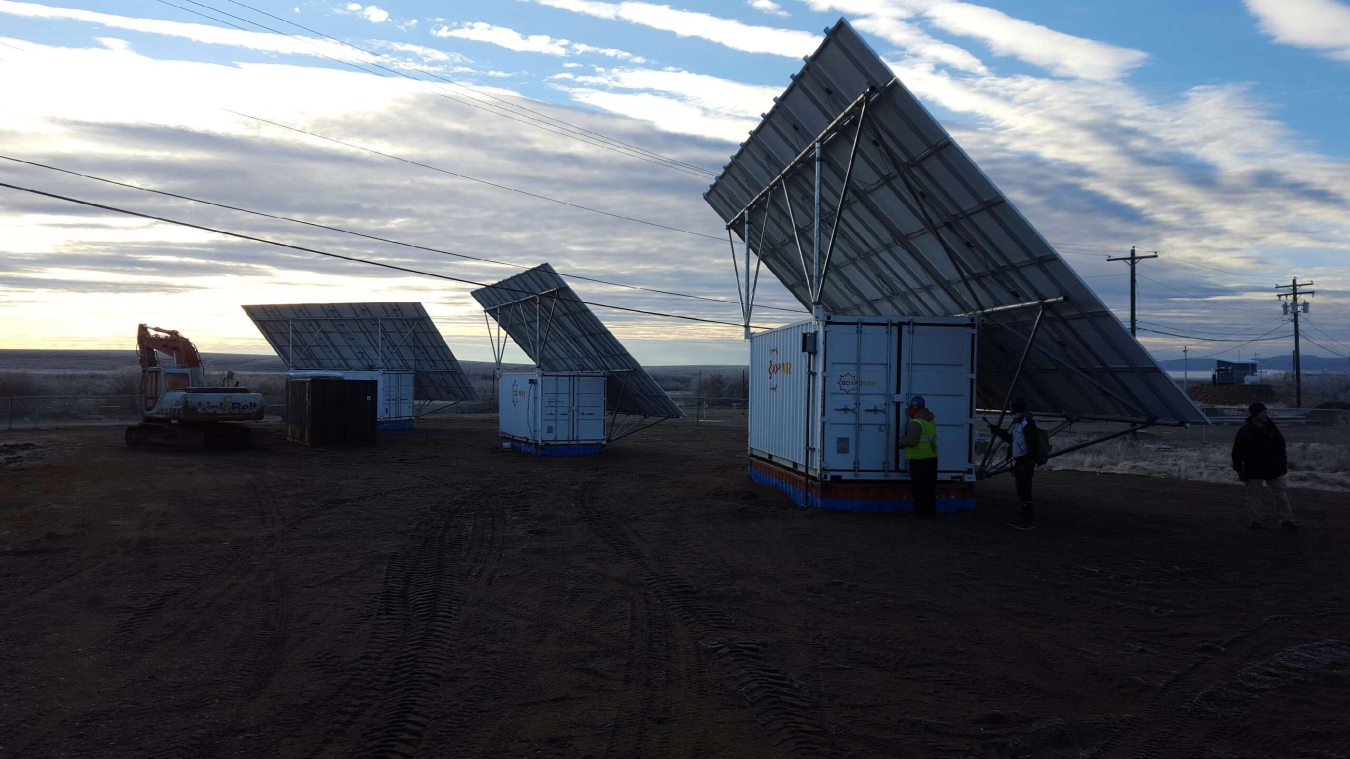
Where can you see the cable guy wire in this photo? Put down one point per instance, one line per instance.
(479, 92)
(353, 259)
(356, 234)
(527, 120)
(447, 172)
(1249, 342)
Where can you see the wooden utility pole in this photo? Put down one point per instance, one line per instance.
(1293, 296)
(1133, 259)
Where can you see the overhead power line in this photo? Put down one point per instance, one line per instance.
(485, 94)
(367, 236)
(1262, 338)
(1324, 333)
(1212, 339)
(1325, 348)
(487, 108)
(353, 259)
(1229, 333)
(458, 175)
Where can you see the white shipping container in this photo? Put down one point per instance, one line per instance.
(828, 397)
(396, 393)
(552, 409)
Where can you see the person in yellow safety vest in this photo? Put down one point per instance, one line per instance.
(919, 445)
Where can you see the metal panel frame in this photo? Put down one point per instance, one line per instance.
(561, 334)
(909, 225)
(365, 337)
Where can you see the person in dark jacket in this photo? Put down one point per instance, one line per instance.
(1260, 455)
(1021, 438)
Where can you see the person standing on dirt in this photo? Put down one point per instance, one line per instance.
(920, 447)
(1021, 436)
(1260, 455)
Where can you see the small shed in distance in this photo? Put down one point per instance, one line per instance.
(1236, 372)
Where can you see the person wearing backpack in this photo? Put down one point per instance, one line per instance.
(1030, 446)
(919, 444)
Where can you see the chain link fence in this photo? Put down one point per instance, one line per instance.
(26, 412)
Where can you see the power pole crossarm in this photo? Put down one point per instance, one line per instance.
(1293, 295)
(1132, 259)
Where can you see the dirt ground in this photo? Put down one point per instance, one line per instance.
(437, 596)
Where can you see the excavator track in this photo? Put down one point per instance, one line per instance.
(183, 437)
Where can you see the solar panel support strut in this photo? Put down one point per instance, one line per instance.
(1012, 388)
(1016, 306)
(807, 151)
(1006, 465)
(824, 271)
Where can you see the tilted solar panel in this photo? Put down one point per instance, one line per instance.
(561, 334)
(365, 337)
(922, 231)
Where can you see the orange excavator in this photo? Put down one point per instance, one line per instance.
(178, 409)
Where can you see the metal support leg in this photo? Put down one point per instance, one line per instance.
(735, 268)
(839, 207)
(792, 219)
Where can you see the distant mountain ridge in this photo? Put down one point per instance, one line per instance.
(34, 360)
(1310, 363)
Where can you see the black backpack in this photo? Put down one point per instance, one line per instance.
(1041, 446)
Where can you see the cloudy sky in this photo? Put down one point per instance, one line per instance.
(1212, 131)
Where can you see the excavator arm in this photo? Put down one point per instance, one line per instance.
(166, 341)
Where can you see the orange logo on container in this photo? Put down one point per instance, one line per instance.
(776, 368)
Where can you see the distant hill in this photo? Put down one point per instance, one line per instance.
(1310, 363)
(118, 360)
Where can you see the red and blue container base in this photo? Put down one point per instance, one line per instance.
(857, 495)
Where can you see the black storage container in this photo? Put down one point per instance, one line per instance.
(326, 411)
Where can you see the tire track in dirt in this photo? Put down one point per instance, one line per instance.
(1170, 725)
(780, 703)
(393, 695)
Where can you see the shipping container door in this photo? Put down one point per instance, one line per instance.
(407, 394)
(516, 399)
(779, 423)
(556, 400)
(939, 366)
(858, 397)
(590, 408)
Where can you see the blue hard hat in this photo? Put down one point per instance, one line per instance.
(918, 401)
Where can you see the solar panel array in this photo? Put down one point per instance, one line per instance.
(561, 334)
(922, 231)
(365, 337)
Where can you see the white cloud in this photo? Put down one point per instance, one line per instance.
(504, 37)
(623, 55)
(429, 54)
(917, 44)
(767, 6)
(206, 34)
(371, 13)
(87, 274)
(1322, 25)
(1059, 53)
(673, 100)
(748, 38)
(534, 43)
(1056, 52)
(570, 65)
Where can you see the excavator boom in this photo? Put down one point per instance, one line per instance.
(169, 342)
